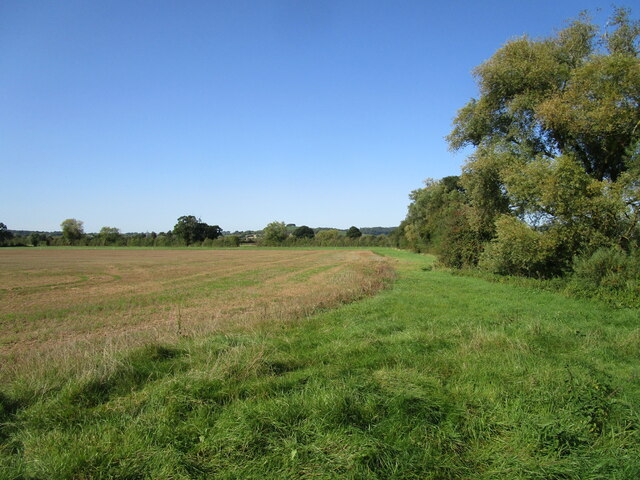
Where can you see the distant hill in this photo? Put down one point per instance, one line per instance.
(26, 233)
(364, 230)
(377, 230)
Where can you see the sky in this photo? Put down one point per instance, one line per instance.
(131, 114)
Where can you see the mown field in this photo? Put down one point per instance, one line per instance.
(57, 305)
(437, 377)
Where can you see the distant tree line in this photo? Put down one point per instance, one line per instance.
(188, 231)
(191, 231)
(552, 188)
(283, 235)
(5, 235)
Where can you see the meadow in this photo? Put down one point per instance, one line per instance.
(62, 306)
(437, 376)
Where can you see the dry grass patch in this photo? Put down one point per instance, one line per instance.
(59, 305)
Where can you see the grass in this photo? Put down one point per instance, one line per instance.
(440, 377)
(58, 306)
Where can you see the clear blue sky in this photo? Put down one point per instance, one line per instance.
(325, 113)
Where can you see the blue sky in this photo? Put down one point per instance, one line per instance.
(325, 113)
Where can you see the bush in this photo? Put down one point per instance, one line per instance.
(274, 234)
(329, 238)
(227, 241)
(460, 245)
(607, 267)
(518, 249)
(610, 274)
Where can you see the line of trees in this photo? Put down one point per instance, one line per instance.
(282, 235)
(552, 187)
(191, 231)
(188, 231)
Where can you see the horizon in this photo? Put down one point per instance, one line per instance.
(243, 113)
(224, 231)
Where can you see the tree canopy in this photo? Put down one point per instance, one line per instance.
(72, 230)
(110, 235)
(354, 232)
(573, 94)
(555, 171)
(5, 234)
(191, 230)
(303, 232)
(275, 233)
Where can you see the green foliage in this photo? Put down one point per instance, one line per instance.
(518, 249)
(192, 230)
(335, 239)
(72, 230)
(569, 208)
(5, 234)
(486, 198)
(274, 234)
(330, 237)
(187, 228)
(34, 238)
(110, 236)
(224, 241)
(559, 95)
(377, 230)
(624, 39)
(303, 232)
(610, 274)
(556, 169)
(460, 245)
(429, 215)
(354, 232)
(212, 231)
(163, 240)
(37, 238)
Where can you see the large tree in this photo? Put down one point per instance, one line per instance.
(576, 93)
(110, 235)
(187, 228)
(72, 230)
(431, 212)
(556, 130)
(191, 230)
(5, 234)
(211, 231)
(555, 170)
(275, 233)
(354, 232)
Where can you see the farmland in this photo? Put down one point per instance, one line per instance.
(60, 304)
(440, 376)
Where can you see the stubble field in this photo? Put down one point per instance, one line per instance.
(57, 305)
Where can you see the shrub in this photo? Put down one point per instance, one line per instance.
(460, 244)
(610, 274)
(226, 241)
(274, 234)
(518, 249)
(607, 267)
(329, 238)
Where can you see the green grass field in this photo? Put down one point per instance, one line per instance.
(437, 377)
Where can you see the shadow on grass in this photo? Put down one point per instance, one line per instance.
(138, 368)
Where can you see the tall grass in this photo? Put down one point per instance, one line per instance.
(440, 377)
